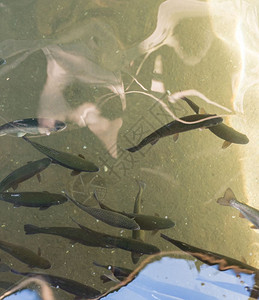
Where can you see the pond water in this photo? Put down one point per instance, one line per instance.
(115, 71)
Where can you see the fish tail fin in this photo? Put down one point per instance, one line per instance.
(31, 229)
(133, 149)
(142, 184)
(98, 265)
(226, 199)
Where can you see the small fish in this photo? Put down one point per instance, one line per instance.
(23, 173)
(2, 61)
(89, 237)
(73, 287)
(116, 271)
(175, 127)
(30, 126)
(247, 211)
(140, 234)
(228, 134)
(76, 235)
(211, 258)
(42, 200)
(145, 222)
(127, 244)
(25, 255)
(67, 160)
(107, 216)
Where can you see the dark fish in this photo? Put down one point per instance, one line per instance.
(93, 238)
(23, 173)
(107, 216)
(247, 211)
(228, 134)
(140, 234)
(2, 61)
(145, 222)
(175, 127)
(71, 286)
(30, 126)
(25, 255)
(42, 200)
(127, 244)
(73, 234)
(211, 258)
(64, 159)
(117, 271)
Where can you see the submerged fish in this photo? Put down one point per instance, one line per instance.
(127, 244)
(71, 286)
(140, 234)
(119, 272)
(175, 127)
(2, 61)
(89, 237)
(247, 211)
(107, 216)
(42, 200)
(23, 173)
(145, 222)
(211, 258)
(67, 160)
(30, 126)
(25, 255)
(73, 234)
(228, 134)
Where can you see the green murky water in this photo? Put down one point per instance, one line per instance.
(62, 58)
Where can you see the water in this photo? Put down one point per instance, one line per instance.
(62, 58)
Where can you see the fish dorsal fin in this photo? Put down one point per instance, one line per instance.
(38, 177)
(241, 215)
(175, 137)
(253, 227)
(75, 173)
(202, 111)
(155, 231)
(81, 155)
(226, 144)
(154, 142)
(15, 186)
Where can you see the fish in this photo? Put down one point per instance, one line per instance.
(2, 61)
(75, 235)
(127, 244)
(89, 237)
(23, 173)
(25, 255)
(107, 216)
(175, 127)
(31, 126)
(145, 222)
(140, 234)
(67, 160)
(249, 212)
(41, 200)
(228, 134)
(211, 258)
(118, 272)
(73, 287)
